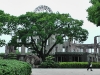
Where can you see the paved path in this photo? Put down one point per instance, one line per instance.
(64, 72)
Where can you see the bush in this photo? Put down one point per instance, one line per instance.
(12, 56)
(2, 55)
(49, 63)
(14, 67)
(96, 65)
(77, 65)
(17, 52)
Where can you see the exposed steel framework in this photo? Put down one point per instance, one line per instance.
(43, 8)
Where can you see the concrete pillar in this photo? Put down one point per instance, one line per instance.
(66, 48)
(23, 50)
(92, 58)
(9, 49)
(6, 50)
(13, 50)
(91, 50)
(99, 50)
(95, 47)
(97, 58)
(84, 49)
(69, 46)
(95, 44)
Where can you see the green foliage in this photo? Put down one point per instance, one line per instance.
(45, 25)
(77, 65)
(17, 52)
(94, 12)
(4, 21)
(2, 43)
(49, 63)
(12, 56)
(14, 67)
(28, 53)
(2, 55)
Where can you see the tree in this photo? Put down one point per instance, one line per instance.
(8, 24)
(94, 12)
(4, 18)
(44, 26)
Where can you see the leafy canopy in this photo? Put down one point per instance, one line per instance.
(94, 12)
(45, 26)
(4, 18)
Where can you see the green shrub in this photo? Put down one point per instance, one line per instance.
(17, 52)
(49, 63)
(12, 56)
(96, 65)
(14, 67)
(2, 55)
(77, 65)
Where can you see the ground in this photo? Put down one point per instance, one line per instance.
(41, 71)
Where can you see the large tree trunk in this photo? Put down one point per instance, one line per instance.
(42, 56)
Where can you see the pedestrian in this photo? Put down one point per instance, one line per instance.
(89, 64)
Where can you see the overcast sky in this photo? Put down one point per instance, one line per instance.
(76, 8)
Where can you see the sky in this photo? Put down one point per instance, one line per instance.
(76, 8)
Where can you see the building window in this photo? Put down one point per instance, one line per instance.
(63, 50)
(47, 42)
(65, 38)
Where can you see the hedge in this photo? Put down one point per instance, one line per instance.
(77, 65)
(14, 67)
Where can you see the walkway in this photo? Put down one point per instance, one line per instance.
(64, 72)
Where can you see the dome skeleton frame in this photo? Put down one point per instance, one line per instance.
(43, 8)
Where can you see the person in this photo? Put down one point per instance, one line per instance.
(89, 64)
